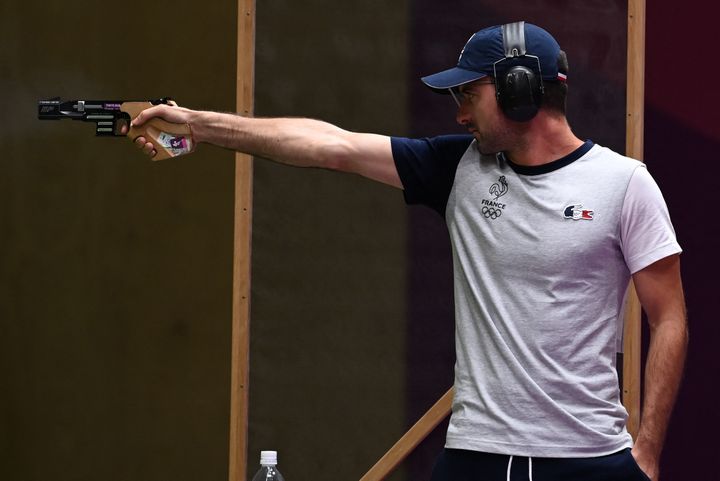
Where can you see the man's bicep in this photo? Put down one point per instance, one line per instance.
(659, 289)
(370, 155)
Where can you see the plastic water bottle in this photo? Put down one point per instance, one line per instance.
(268, 468)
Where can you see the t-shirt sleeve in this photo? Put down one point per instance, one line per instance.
(646, 231)
(427, 167)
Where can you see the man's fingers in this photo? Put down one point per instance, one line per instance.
(147, 147)
(146, 115)
(170, 112)
(138, 120)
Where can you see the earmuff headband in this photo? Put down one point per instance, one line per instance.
(514, 39)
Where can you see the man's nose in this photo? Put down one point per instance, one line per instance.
(462, 116)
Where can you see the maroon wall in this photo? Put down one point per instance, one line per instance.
(682, 139)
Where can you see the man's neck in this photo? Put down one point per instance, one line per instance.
(546, 139)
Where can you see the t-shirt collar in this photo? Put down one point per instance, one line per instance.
(550, 166)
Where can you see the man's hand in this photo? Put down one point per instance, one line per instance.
(171, 113)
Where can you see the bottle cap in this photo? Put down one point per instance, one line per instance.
(268, 458)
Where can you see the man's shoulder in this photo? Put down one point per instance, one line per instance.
(441, 146)
(606, 158)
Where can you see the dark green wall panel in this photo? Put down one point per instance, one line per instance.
(327, 386)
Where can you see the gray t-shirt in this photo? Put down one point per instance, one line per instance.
(542, 259)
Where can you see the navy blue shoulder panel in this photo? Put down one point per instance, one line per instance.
(427, 167)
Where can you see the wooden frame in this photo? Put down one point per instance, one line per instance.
(634, 144)
(241, 256)
(241, 262)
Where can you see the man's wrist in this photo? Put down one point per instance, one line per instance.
(214, 128)
(198, 123)
(648, 446)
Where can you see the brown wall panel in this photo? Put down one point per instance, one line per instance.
(115, 272)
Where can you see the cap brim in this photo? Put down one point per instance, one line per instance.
(451, 78)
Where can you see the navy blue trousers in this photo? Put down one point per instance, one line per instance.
(460, 465)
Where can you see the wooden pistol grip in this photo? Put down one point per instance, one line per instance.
(169, 139)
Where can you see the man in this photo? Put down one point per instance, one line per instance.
(547, 231)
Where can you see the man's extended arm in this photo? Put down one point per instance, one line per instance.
(660, 292)
(294, 141)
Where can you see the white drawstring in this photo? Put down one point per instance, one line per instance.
(509, 468)
(529, 469)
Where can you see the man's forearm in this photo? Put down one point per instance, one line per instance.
(293, 141)
(663, 372)
(659, 289)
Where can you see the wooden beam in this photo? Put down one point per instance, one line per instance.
(240, 345)
(405, 445)
(635, 124)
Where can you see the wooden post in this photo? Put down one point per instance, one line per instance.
(241, 256)
(632, 379)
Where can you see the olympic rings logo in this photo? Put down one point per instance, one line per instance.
(491, 212)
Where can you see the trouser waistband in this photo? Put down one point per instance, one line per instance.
(460, 465)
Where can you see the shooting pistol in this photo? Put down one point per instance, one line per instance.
(169, 140)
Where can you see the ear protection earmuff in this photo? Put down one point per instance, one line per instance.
(519, 86)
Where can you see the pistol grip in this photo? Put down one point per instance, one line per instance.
(169, 139)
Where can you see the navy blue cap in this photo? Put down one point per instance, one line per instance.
(486, 47)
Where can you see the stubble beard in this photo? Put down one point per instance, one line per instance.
(493, 141)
